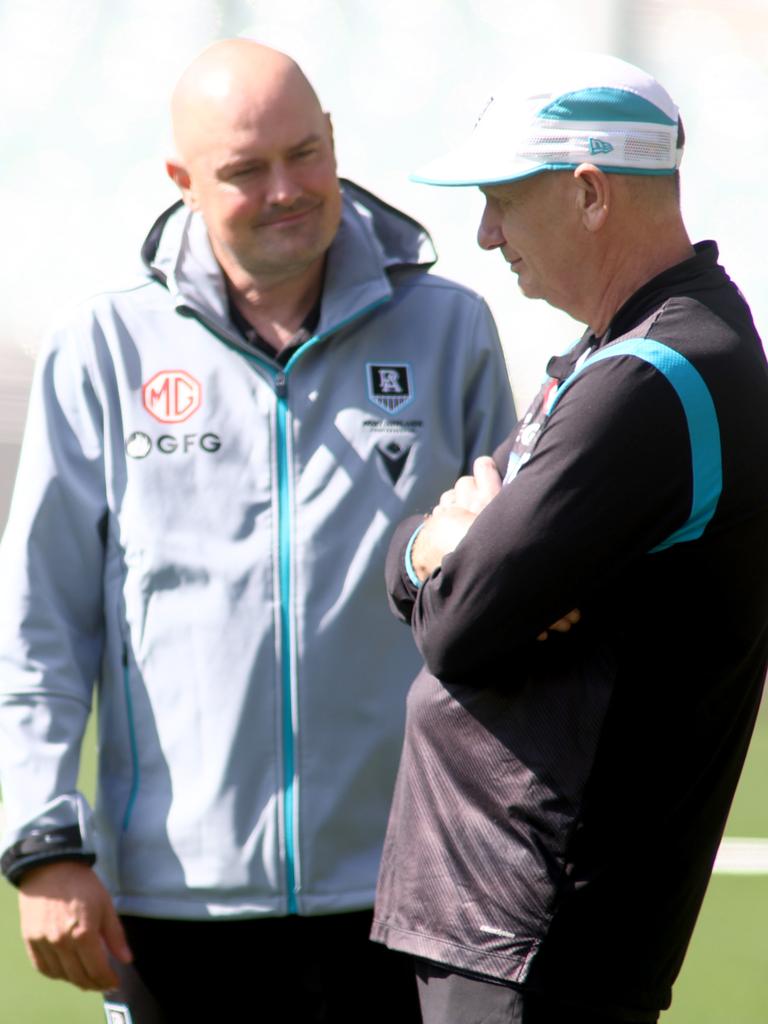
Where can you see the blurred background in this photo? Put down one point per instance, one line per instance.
(84, 87)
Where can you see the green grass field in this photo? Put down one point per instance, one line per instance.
(724, 979)
(725, 976)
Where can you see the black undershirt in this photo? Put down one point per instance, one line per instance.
(254, 340)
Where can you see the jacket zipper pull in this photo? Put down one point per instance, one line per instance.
(281, 385)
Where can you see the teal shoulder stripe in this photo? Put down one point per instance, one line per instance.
(600, 104)
(701, 419)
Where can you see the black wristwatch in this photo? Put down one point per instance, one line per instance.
(43, 846)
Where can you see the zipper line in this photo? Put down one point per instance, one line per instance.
(290, 782)
(286, 638)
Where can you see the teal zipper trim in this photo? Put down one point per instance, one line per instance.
(132, 742)
(317, 338)
(284, 555)
(280, 380)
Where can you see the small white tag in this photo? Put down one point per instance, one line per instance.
(497, 931)
(117, 1013)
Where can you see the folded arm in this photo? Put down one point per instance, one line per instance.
(609, 479)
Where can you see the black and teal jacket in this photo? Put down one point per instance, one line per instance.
(560, 803)
(198, 532)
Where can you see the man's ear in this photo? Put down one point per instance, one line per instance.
(593, 196)
(330, 126)
(180, 176)
(331, 139)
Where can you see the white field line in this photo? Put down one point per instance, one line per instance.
(735, 856)
(742, 857)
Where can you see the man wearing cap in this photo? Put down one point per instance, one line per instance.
(215, 459)
(562, 792)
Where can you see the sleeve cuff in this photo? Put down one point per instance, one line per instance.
(43, 848)
(408, 562)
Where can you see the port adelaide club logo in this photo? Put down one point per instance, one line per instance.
(171, 397)
(389, 385)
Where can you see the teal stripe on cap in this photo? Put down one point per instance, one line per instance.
(604, 105)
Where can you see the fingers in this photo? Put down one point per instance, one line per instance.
(447, 499)
(77, 956)
(114, 937)
(562, 625)
(465, 490)
(89, 961)
(474, 492)
(487, 478)
(461, 495)
(45, 962)
(442, 533)
(69, 925)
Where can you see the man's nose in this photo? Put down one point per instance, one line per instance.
(489, 234)
(282, 190)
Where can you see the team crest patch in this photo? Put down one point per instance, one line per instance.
(389, 385)
(117, 1013)
(172, 396)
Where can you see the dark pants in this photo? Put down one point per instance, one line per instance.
(449, 998)
(316, 970)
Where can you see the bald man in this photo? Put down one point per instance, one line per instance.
(215, 459)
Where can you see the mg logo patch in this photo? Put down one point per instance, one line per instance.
(389, 385)
(172, 396)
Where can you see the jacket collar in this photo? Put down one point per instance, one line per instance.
(684, 278)
(699, 271)
(373, 240)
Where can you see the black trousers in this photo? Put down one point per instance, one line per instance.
(313, 970)
(450, 998)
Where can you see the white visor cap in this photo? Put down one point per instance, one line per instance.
(592, 109)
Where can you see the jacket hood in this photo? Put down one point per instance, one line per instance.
(402, 239)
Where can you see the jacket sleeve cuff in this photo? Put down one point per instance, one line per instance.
(43, 847)
(409, 561)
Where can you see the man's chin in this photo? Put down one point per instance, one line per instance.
(528, 290)
(285, 262)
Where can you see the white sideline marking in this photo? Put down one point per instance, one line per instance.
(735, 856)
(742, 857)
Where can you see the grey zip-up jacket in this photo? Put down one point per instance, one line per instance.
(200, 533)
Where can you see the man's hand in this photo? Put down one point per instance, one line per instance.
(69, 924)
(452, 517)
(473, 493)
(562, 625)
